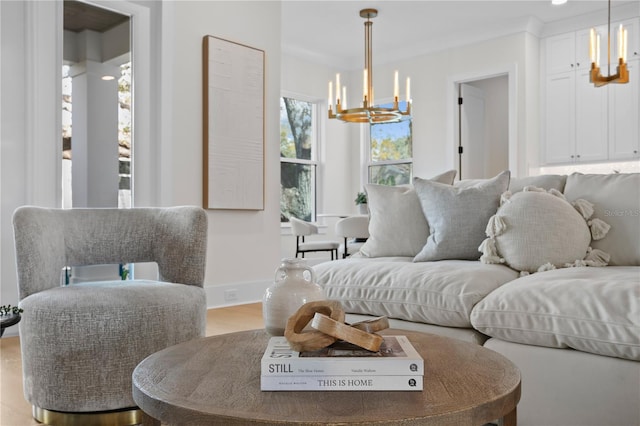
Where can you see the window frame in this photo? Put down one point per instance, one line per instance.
(366, 157)
(314, 162)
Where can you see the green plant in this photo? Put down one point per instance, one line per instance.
(361, 198)
(8, 309)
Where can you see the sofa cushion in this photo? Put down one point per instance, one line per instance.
(397, 226)
(616, 198)
(441, 293)
(547, 182)
(594, 310)
(457, 216)
(538, 230)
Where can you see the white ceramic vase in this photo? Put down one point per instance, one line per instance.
(293, 287)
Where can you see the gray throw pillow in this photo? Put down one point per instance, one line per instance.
(397, 226)
(458, 216)
(542, 181)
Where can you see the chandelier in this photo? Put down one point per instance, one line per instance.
(368, 113)
(622, 74)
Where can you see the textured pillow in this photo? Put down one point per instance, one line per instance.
(535, 230)
(457, 216)
(589, 309)
(397, 226)
(616, 198)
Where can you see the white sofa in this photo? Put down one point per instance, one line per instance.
(574, 332)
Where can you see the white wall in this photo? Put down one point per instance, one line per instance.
(30, 152)
(243, 248)
(434, 148)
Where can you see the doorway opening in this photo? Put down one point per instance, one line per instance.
(96, 107)
(483, 141)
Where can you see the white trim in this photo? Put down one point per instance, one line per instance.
(318, 151)
(365, 152)
(165, 137)
(145, 160)
(43, 92)
(511, 71)
(247, 292)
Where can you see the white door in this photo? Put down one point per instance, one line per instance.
(472, 128)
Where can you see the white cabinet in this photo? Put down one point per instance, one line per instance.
(576, 119)
(560, 117)
(624, 123)
(591, 119)
(584, 123)
(570, 52)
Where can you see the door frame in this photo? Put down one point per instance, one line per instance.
(510, 70)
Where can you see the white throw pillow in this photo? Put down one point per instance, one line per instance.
(589, 309)
(457, 216)
(536, 230)
(397, 226)
(616, 198)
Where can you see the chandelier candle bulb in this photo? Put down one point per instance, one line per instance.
(598, 50)
(592, 45)
(622, 43)
(408, 91)
(364, 87)
(337, 89)
(344, 97)
(330, 95)
(624, 51)
(396, 87)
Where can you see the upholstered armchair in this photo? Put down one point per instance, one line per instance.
(81, 342)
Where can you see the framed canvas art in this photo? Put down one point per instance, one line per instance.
(233, 125)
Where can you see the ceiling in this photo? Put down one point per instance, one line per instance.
(80, 16)
(332, 32)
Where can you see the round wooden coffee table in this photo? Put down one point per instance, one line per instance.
(216, 380)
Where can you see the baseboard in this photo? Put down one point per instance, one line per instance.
(235, 294)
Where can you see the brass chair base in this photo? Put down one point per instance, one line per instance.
(125, 417)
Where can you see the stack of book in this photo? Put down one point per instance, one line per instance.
(342, 367)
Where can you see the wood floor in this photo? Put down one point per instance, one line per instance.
(15, 411)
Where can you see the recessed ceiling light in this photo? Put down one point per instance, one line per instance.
(558, 2)
(108, 77)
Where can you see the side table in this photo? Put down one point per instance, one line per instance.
(8, 321)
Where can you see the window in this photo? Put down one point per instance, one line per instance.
(391, 151)
(298, 159)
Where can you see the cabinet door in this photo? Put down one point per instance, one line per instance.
(591, 119)
(560, 53)
(560, 118)
(624, 110)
